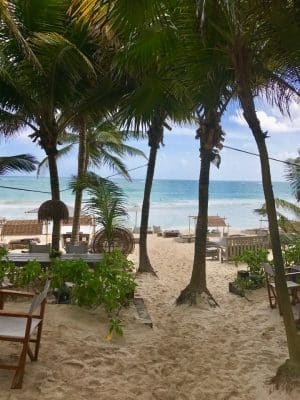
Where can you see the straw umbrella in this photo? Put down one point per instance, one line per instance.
(54, 210)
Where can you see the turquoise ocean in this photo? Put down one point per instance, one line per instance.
(172, 201)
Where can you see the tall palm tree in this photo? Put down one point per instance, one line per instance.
(143, 43)
(19, 163)
(256, 70)
(37, 99)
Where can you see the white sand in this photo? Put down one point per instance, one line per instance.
(192, 353)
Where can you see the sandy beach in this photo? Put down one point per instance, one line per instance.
(192, 353)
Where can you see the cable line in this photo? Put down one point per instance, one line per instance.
(257, 155)
(25, 190)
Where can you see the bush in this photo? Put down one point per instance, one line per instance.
(254, 260)
(291, 253)
(109, 284)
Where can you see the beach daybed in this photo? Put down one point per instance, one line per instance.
(293, 287)
(19, 327)
(168, 233)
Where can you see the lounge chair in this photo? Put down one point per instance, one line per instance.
(171, 233)
(293, 287)
(19, 327)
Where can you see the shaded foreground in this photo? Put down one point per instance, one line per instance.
(192, 353)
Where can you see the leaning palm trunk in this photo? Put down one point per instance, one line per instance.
(54, 183)
(81, 174)
(293, 339)
(155, 134)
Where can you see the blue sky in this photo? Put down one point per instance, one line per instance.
(179, 158)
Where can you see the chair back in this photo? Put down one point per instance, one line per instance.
(39, 248)
(268, 269)
(39, 298)
(76, 249)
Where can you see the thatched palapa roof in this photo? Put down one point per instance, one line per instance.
(53, 210)
(19, 227)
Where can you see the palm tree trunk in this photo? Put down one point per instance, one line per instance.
(54, 183)
(247, 102)
(81, 173)
(197, 284)
(144, 261)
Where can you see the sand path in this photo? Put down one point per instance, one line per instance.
(192, 353)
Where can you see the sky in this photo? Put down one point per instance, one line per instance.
(179, 158)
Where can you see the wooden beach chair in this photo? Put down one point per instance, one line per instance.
(293, 287)
(19, 327)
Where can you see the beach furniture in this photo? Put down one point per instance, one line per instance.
(171, 233)
(156, 229)
(20, 327)
(76, 249)
(83, 238)
(185, 238)
(293, 287)
(123, 240)
(44, 258)
(39, 248)
(235, 245)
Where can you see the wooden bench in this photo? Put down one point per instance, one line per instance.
(236, 245)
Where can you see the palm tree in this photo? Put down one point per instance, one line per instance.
(107, 204)
(44, 101)
(21, 162)
(256, 69)
(143, 43)
(101, 143)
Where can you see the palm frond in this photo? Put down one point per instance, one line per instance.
(44, 164)
(21, 162)
(292, 174)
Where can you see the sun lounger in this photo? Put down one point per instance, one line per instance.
(171, 233)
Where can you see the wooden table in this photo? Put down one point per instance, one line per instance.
(44, 258)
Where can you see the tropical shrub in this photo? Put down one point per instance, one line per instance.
(109, 284)
(291, 253)
(254, 260)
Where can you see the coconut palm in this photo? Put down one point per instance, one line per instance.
(258, 70)
(21, 162)
(98, 145)
(144, 43)
(45, 101)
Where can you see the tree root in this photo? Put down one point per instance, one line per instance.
(287, 377)
(193, 296)
(146, 268)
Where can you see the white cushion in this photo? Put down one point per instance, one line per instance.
(16, 326)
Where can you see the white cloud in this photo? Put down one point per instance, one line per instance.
(272, 120)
